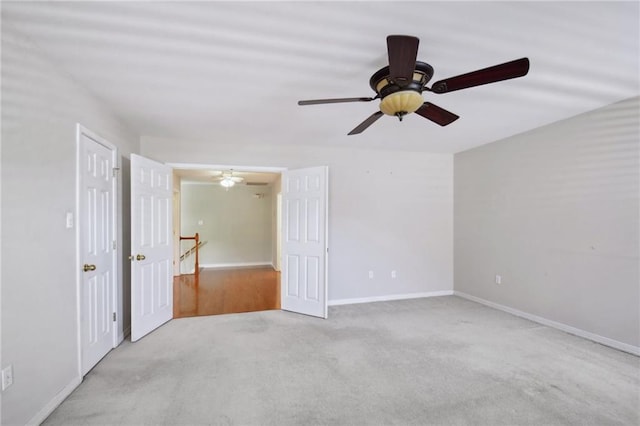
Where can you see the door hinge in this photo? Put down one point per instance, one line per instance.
(114, 317)
(115, 171)
(114, 244)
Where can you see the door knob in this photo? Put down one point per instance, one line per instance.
(130, 257)
(141, 257)
(88, 268)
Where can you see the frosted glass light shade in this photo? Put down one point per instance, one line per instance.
(227, 183)
(405, 101)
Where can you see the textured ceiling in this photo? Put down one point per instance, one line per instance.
(233, 71)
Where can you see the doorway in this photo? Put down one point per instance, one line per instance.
(237, 245)
(304, 240)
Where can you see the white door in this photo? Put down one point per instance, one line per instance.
(151, 246)
(96, 217)
(304, 246)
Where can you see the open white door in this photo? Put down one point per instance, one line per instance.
(151, 246)
(304, 245)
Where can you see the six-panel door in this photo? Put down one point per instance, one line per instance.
(304, 248)
(151, 245)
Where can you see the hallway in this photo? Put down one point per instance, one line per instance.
(225, 291)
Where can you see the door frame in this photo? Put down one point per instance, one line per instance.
(116, 284)
(278, 263)
(272, 169)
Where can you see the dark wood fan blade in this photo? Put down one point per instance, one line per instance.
(436, 114)
(333, 101)
(506, 71)
(402, 51)
(366, 123)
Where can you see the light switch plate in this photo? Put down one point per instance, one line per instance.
(7, 377)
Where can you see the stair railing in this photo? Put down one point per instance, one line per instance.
(193, 249)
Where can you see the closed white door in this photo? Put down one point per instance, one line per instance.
(151, 245)
(97, 241)
(304, 246)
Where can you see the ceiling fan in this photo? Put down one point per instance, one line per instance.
(227, 179)
(399, 86)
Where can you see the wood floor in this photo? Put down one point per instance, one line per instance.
(225, 291)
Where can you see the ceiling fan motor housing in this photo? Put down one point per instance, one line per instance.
(401, 99)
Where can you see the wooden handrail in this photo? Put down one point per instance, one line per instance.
(197, 239)
(191, 250)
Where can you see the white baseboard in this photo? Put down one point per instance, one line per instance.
(389, 297)
(55, 402)
(635, 350)
(236, 265)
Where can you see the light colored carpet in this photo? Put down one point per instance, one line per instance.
(443, 361)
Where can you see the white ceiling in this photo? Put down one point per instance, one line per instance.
(233, 71)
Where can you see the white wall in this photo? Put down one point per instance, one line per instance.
(235, 224)
(388, 210)
(555, 212)
(40, 108)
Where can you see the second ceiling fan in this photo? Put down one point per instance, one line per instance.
(399, 86)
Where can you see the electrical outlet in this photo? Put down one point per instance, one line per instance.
(498, 279)
(370, 274)
(7, 377)
(393, 274)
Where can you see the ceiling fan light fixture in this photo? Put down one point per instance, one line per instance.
(227, 182)
(401, 103)
(399, 85)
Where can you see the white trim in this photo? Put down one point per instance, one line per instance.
(278, 260)
(79, 130)
(390, 297)
(326, 242)
(635, 350)
(55, 402)
(235, 265)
